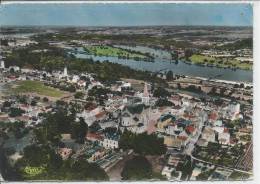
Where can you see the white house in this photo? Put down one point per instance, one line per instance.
(126, 85)
(170, 130)
(2, 66)
(224, 137)
(127, 120)
(111, 141)
(218, 129)
(82, 83)
(167, 171)
(138, 129)
(208, 134)
(75, 79)
(15, 68)
(89, 116)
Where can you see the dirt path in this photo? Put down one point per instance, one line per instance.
(156, 162)
(114, 173)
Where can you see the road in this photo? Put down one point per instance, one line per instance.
(224, 167)
(190, 146)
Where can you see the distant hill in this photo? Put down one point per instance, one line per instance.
(240, 44)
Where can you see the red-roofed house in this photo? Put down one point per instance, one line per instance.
(94, 137)
(213, 116)
(64, 153)
(191, 130)
(100, 115)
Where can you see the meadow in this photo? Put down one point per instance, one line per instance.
(36, 87)
(219, 62)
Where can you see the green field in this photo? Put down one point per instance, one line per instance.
(219, 62)
(36, 87)
(114, 52)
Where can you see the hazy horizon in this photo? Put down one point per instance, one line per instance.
(73, 26)
(126, 15)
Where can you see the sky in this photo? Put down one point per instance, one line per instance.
(119, 14)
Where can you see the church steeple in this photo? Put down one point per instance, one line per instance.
(2, 63)
(145, 96)
(146, 93)
(65, 71)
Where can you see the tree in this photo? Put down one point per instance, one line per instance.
(137, 168)
(98, 93)
(79, 130)
(213, 147)
(213, 90)
(163, 102)
(174, 56)
(7, 104)
(14, 112)
(174, 173)
(193, 88)
(50, 63)
(23, 99)
(236, 85)
(53, 125)
(33, 103)
(82, 170)
(4, 42)
(94, 127)
(45, 99)
(17, 127)
(185, 167)
(218, 102)
(47, 165)
(110, 130)
(203, 176)
(178, 85)
(169, 75)
(161, 93)
(142, 143)
(188, 53)
(222, 91)
(71, 88)
(79, 95)
(43, 159)
(61, 103)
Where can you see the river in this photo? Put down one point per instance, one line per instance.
(162, 61)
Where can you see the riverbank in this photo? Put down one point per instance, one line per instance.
(250, 84)
(178, 68)
(202, 60)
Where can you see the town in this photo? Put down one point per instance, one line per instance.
(114, 91)
(67, 124)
